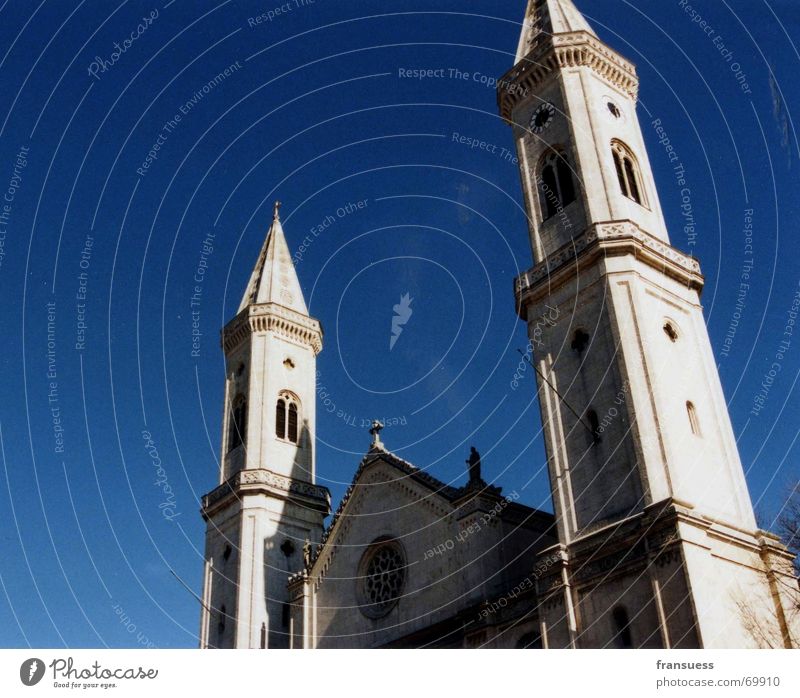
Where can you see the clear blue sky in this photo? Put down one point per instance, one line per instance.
(314, 112)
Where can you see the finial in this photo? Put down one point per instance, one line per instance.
(375, 430)
(276, 211)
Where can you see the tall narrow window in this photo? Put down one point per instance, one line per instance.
(694, 422)
(594, 425)
(628, 174)
(622, 626)
(280, 418)
(292, 426)
(556, 186)
(238, 424)
(221, 625)
(287, 417)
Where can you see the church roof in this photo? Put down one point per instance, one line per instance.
(438, 487)
(454, 496)
(374, 455)
(274, 279)
(547, 17)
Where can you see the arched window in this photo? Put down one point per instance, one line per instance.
(238, 424)
(694, 422)
(630, 181)
(556, 188)
(287, 417)
(622, 627)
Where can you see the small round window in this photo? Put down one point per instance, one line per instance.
(381, 577)
(671, 331)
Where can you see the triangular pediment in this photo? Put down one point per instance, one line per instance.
(385, 491)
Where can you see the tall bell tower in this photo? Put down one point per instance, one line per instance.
(658, 541)
(266, 506)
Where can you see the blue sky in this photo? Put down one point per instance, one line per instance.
(313, 111)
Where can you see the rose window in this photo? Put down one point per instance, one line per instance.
(382, 576)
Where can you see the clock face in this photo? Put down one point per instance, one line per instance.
(542, 117)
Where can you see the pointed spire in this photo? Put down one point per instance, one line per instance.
(547, 17)
(274, 279)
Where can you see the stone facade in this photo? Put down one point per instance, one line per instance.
(653, 542)
(266, 505)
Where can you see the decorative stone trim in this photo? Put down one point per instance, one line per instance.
(252, 479)
(616, 237)
(564, 51)
(271, 317)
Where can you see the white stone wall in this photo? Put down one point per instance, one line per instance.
(468, 570)
(269, 376)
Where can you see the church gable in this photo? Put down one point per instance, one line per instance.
(406, 551)
(375, 578)
(380, 496)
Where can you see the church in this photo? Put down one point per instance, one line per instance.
(653, 541)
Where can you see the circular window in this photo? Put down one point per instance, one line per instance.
(670, 331)
(613, 108)
(381, 577)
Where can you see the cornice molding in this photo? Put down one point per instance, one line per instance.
(558, 52)
(272, 317)
(611, 239)
(263, 481)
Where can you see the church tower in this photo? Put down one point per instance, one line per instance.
(658, 542)
(266, 509)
